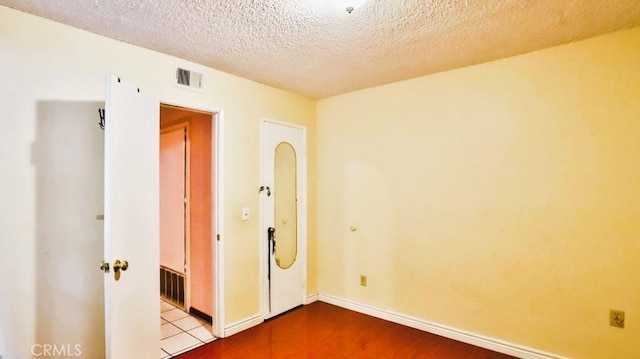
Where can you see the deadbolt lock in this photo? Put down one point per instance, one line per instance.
(120, 265)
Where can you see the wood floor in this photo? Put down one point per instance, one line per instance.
(321, 330)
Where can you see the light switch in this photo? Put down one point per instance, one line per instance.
(245, 213)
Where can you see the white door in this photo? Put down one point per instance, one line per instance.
(173, 201)
(131, 226)
(284, 215)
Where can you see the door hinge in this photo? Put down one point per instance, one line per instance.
(218, 237)
(102, 114)
(265, 188)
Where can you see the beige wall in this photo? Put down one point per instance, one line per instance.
(44, 61)
(501, 199)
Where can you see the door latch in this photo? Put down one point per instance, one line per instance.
(118, 266)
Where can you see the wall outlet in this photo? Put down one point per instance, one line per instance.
(616, 318)
(363, 280)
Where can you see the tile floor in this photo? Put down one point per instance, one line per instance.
(181, 332)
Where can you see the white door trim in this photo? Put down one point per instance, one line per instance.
(217, 223)
(302, 221)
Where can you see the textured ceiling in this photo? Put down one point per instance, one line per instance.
(311, 48)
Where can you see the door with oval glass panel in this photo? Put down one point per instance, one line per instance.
(283, 209)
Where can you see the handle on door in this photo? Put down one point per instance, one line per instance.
(104, 266)
(272, 238)
(118, 265)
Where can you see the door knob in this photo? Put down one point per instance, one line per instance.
(118, 265)
(104, 266)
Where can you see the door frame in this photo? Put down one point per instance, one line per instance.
(302, 220)
(217, 204)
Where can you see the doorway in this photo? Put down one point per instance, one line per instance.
(131, 259)
(283, 209)
(186, 228)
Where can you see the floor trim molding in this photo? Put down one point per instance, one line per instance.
(441, 330)
(243, 324)
(311, 298)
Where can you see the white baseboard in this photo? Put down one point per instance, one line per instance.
(257, 319)
(478, 340)
(311, 298)
(243, 324)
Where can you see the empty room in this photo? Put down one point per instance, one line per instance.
(353, 179)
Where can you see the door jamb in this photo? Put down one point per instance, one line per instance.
(302, 221)
(217, 223)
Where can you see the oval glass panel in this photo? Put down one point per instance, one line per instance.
(285, 202)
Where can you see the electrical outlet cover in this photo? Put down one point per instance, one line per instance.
(616, 318)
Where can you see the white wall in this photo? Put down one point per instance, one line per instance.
(68, 161)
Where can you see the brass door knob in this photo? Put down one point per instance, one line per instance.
(120, 265)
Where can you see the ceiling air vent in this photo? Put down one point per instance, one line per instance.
(189, 78)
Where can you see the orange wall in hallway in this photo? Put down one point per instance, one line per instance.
(200, 135)
(172, 189)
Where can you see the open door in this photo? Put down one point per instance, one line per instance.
(173, 217)
(284, 215)
(131, 226)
